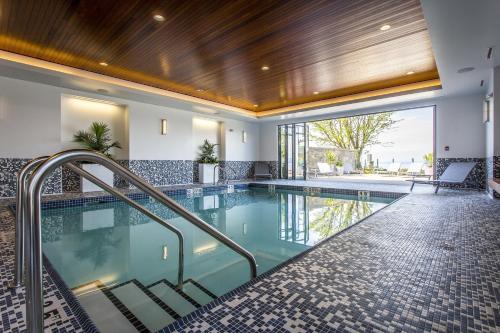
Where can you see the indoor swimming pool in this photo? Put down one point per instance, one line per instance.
(109, 253)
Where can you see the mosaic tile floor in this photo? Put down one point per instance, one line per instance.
(425, 263)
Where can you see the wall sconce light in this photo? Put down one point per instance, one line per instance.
(244, 136)
(245, 229)
(164, 127)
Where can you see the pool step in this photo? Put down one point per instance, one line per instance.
(179, 301)
(197, 292)
(105, 315)
(131, 307)
(145, 306)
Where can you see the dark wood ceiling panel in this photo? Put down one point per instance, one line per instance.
(330, 47)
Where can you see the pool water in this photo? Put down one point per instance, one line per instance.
(114, 244)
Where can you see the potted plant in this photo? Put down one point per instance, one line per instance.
(339, 166)
(207, 162)
(97, 138)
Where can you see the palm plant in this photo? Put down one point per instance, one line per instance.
(207, 153)
(97, 138)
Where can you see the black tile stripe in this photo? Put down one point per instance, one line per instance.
(177, 290)
(155, 299)
(121, 307)
(202, 288)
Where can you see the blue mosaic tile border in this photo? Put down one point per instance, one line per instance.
(379, 194)
(86, 323)
(56, 204)
(184, 321)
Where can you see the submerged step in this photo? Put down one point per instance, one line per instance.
(178, 301)
(150, 312)
(103, 312)
(197, 292)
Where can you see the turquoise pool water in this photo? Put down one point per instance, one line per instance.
(113, 243)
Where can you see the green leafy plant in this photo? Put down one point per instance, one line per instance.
(207, 153)
(339, 163)
(330, 157)
(97, 138)
(428, 158)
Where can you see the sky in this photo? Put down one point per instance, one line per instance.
(411, 137)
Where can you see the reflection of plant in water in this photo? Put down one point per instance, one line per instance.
(338, 214)
(97, 247)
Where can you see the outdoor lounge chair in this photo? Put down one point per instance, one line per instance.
(415, 169)
(262, 170)
(455, 173)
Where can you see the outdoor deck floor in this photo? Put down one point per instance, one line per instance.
(426, 263)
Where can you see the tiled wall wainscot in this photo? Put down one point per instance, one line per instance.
(493, 171)
(9, 168)
(475, 180)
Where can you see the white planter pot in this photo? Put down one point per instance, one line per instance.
(206, 173)
(98, 171)
(340, 170)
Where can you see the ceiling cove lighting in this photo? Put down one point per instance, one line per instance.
(103, 63)
(164, 127)
(385, 27)
(265, 68)
(159, 18)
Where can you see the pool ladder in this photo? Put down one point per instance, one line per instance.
(28, 245)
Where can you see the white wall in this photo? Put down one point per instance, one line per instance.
(34, 121)
(78, 114)
(145, 139)
(234, 148)
(30, 119)
(458, 124)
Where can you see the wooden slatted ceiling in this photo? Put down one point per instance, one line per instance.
(334, 48)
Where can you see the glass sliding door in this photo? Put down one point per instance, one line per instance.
(292, 151)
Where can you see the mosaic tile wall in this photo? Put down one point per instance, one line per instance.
(493, 171)
(477, 177)
(9, 168)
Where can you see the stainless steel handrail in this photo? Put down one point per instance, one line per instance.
(22, 178)
(34, 287)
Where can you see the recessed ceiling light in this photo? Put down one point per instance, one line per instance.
(200, 90)
(256, 105)
(410, 73)
(265, 68)
(103, 63)
(385, 27)
(316, 92)
(159, 18)
(465, 70)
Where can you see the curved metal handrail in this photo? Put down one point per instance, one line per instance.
(22, 178)
(34, 288)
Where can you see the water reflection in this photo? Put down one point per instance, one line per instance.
(307, 219)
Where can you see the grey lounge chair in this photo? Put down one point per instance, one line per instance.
(455, 173)
(262, 170)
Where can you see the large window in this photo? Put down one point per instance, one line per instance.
(386, 146)
(292, 151)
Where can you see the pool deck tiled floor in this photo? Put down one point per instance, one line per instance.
(426, 263)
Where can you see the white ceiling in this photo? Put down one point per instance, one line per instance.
(461, 32)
